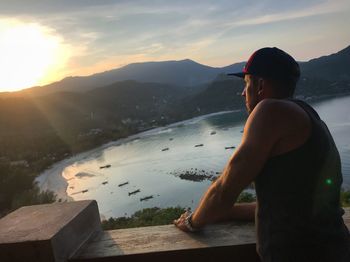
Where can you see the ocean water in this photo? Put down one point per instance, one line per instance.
(150, 165)
(336, 114)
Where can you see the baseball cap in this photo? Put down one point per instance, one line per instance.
(271, 62)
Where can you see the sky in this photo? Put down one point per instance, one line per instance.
(42, 41)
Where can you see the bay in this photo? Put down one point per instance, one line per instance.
(149, 165)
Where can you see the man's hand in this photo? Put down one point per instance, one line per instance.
(183, 223)
(180, 222)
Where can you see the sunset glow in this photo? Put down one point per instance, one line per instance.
(30, 55)
(46, 41)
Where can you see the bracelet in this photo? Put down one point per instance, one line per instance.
(188, 223)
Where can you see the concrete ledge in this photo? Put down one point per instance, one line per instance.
(236, 242)
(72, 232)
(51, 232)
(167, 243)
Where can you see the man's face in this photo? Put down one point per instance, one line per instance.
(250, 92)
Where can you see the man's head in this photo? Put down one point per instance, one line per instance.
(269, 73)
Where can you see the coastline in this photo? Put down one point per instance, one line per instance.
(52, 179)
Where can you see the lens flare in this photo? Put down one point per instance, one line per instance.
(329, 181)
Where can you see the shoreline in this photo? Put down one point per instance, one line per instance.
(52, 179)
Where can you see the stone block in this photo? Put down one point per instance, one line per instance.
(51, 232)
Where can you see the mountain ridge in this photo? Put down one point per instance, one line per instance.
(174, 72)
(331, 67)
(186, 73)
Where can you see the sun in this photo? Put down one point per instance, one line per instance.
(30, 54)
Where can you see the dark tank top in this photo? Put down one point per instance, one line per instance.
(298, 216)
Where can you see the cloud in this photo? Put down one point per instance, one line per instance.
(327, 7)
(37, 7)
(108, 33)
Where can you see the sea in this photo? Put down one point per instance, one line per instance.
(174, 165)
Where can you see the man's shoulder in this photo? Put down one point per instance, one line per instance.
(280, 109)
(280, 116)
(277, 103)
(278, 126)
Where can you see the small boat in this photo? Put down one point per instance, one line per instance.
(230, 147)
(134, 192)
(146, 198)
(123, 184)
(105, 182)
(84, 191)
(212, 133)
(171, 139)
(165, 149)
(198, 145)
(106, 166)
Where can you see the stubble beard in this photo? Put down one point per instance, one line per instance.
(248, 108)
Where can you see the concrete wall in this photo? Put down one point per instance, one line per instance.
(47, 233)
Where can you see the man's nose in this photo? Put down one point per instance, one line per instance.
(243, 92)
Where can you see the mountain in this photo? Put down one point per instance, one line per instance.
(53, 125)
(221, 95)
(185, 73)
(189, 74)
(324, 76)
(333, 67)
(112, 103)
(108, 105)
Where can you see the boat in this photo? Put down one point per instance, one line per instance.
(165, 149)
(106, 166)
(134, 192)
(123, 184)
(212, 133)
(230, 147)
(105, 182)
(198, 145)
(84, 191)
(146, 198)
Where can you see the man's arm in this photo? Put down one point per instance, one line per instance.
(243, 211)
(260, 135)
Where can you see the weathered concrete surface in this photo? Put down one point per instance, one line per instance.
(50, 232)
(167, 243)
(55, 232)
(232, 241)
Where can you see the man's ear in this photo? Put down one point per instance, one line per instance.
(261, 85)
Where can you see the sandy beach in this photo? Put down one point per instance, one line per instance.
(53, 178)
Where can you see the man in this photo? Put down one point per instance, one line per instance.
(288, 152)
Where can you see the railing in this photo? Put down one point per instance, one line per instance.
(72, 232)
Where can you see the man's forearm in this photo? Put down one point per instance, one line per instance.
(243, 211)
(216, 204)
(211, 208)
(239, 212)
